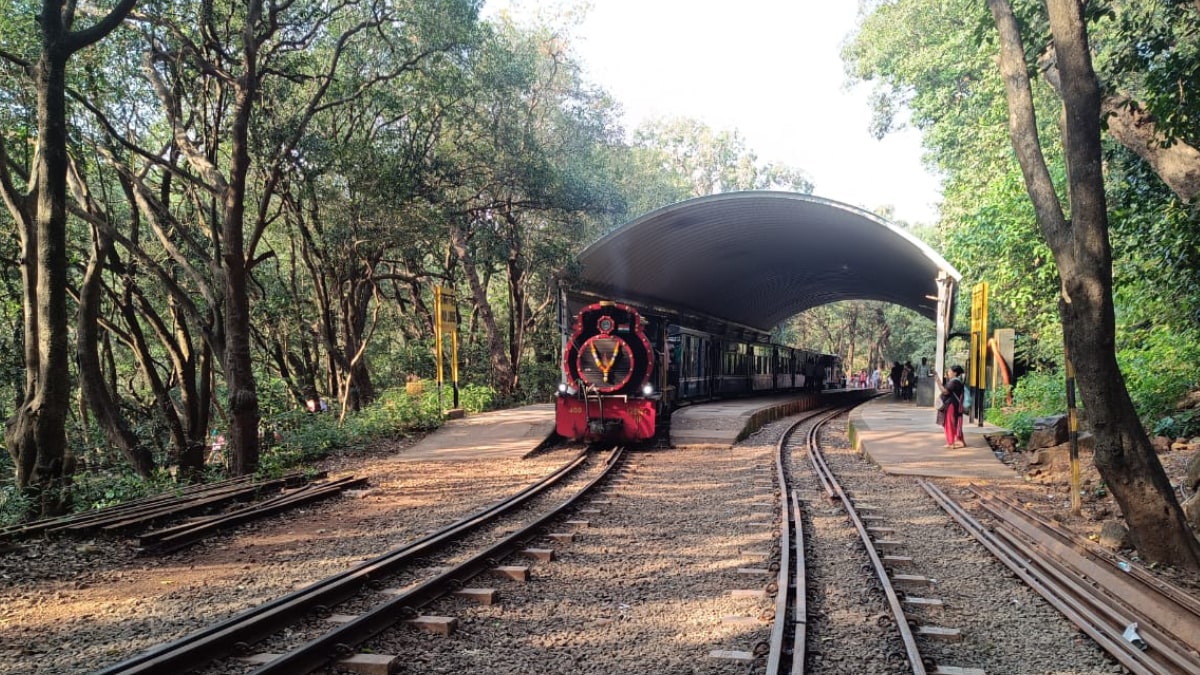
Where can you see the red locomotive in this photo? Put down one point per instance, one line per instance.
(607, 365)
(625, 370)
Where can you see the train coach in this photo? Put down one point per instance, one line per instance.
(625, 368)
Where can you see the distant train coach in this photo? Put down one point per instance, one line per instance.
(624, 371)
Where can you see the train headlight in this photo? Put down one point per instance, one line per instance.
(647, 390)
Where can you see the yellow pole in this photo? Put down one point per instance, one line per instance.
(1073, 436)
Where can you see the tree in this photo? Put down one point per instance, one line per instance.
(705, 161)
(36, 435)
(1082, 254)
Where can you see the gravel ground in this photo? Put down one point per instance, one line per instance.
(1005, 626)
(70, 607)
(646, 587)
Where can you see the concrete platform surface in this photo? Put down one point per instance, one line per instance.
(905, 439)
(729, 421)
(498, 434)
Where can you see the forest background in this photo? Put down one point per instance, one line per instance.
(260, 197)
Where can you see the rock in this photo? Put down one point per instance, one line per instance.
(1087, 442)
(1113, 535)
(1048, 432)
(1160, 444)
(1050, 455)
(1191, 510)
(1193, 473)
(1003, 442)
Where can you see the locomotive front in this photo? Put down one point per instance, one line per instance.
(607, 363)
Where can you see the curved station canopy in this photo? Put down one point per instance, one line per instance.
(755, 259)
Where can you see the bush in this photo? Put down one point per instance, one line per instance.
(296, 439)
(304, 437)
(1036, 394)
(1159, 370)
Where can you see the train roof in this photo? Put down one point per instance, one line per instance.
(757, 258)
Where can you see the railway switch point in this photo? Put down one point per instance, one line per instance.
(540, 554)
(483, 596)
(441, 625)
(940, 633)
(562, 537)
(514, 572)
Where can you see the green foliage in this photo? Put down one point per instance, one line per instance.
(1037, 394)
(304, 437)
(1160, 366)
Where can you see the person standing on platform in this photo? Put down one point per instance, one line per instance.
(950, 407)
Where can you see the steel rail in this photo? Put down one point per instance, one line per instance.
(1185, 606)
(1030, 570)
(340, 641)
(1169, 630)
(790, 582)
(181, 536)
(208, 644)
(893, 599)
(1163, 654)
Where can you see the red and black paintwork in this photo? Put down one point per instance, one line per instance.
(608, 362)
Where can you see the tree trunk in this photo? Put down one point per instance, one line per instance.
(502, 367)
(1083, 255)
(239, 370)
(91, 376)
(37, 433)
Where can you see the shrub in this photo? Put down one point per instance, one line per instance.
(1036, 394)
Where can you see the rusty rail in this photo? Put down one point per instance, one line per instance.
(1044, 562)
(209, 644)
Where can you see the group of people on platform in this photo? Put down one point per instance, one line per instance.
(904, 380)
(952, 398)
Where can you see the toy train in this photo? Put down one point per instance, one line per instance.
(622, 371)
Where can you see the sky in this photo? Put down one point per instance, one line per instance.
(770, 69)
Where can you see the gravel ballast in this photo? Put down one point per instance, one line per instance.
(645, 587)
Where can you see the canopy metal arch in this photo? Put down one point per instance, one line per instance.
(756, 258)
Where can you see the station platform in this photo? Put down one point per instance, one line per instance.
(498, 434)
(905, 439)
(728, 421)
(899, 436)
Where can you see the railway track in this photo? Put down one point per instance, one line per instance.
(788, 643)
(236, 635)
(1147, 625)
